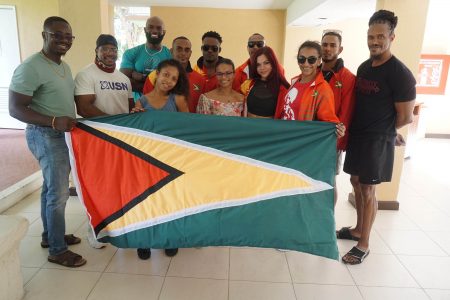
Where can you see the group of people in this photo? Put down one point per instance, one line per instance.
(372, 105)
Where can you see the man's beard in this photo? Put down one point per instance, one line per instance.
(154, 40)
(376, 56)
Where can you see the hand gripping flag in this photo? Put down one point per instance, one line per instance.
(174, 180)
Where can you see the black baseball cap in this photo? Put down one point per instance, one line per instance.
(106, 39)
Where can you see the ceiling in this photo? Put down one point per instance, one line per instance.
(328, 11)
(235, 4)
(332, 11)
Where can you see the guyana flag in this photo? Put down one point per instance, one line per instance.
(177, 180)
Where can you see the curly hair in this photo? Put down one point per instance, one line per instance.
(182, 86)
(384, 17)
(212, 34)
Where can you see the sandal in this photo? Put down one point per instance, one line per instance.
(345, 234)
(355, 256)
(69, 238)
(67, 259)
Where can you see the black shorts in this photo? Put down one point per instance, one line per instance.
(370, 158)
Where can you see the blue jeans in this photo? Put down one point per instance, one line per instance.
(50, 149)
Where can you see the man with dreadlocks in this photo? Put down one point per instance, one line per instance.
(385, 94)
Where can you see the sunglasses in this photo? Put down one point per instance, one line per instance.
(258, 44)
(60, 37)
(208, 47)
(311, 59)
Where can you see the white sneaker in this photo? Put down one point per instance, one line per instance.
(93, 241)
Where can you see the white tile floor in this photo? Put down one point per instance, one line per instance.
(410, 255)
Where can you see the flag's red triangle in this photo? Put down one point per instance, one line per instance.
(130, 174)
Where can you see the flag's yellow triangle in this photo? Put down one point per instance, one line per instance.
(212, 179)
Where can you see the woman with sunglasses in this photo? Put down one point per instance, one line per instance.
(267, 86)
(309, 98)
(223, 100)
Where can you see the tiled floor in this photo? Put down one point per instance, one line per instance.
(410, 255)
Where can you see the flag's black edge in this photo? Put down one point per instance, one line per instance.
(173, 174)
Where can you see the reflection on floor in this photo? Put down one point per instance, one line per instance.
(409, 259)
(16, 161)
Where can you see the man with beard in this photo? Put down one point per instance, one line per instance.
(206, 64)
(41, 95)
(385, 94)
(100, 89)
(181, 50)
(255, 41)
(139, 61)
(342, 82)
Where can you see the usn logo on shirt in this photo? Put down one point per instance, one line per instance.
(111, 85)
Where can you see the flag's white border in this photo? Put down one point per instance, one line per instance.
(315, 185)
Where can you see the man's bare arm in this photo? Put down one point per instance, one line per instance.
(86, 107)
(404, 113)
(130, 104)
(137, 79)
(19, 108)
(404, 117)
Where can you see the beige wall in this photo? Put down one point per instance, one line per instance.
(85, 18)
(105, 17)
(30, 18)
(83, 15)
(407, 47)
(354, 36)
(235, 26)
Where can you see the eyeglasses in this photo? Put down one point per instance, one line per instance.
(112, 50)
(227, 74)
(208, 47)
(311, 59)
(60, 37)
(258, 44)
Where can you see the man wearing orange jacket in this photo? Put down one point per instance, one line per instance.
(206, 64)
(342, 82)
(181, 50)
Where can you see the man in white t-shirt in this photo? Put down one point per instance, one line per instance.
(102, 90)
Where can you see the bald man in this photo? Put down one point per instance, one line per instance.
(255, 41)
(139, 61)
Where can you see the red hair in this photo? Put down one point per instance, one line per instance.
(276, 77)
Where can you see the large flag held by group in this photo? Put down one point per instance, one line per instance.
(176, 180)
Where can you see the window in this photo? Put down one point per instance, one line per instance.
(129, 24)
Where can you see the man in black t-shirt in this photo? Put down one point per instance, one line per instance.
(385, 94)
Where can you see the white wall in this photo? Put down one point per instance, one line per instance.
(354, 41)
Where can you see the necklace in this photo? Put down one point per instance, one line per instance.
(151, 54)
(50, 63)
